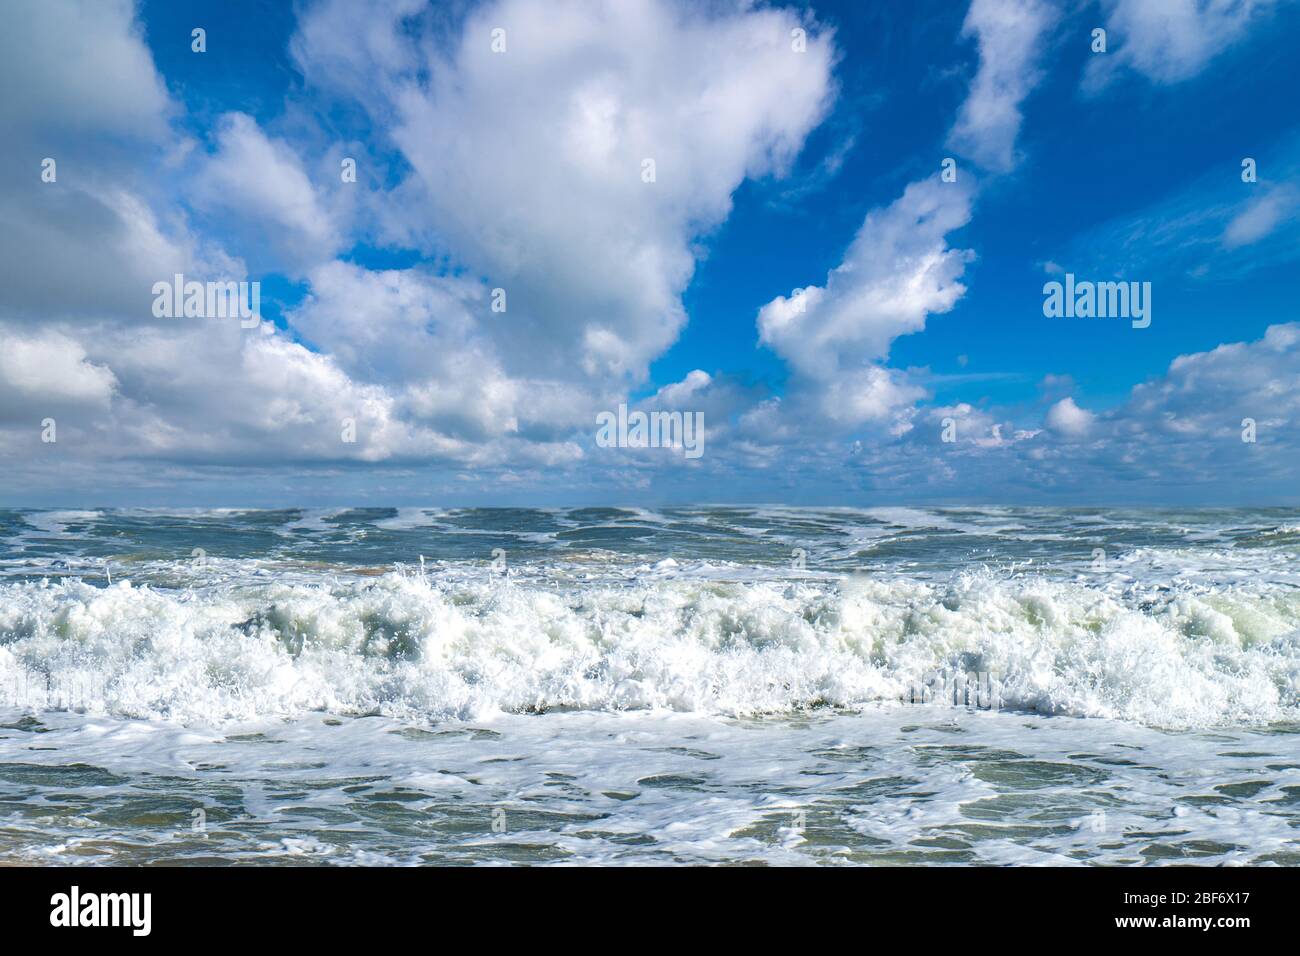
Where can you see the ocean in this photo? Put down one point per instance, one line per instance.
(741, 685)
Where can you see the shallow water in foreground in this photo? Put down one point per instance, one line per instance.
(896, 784)
(721, 685)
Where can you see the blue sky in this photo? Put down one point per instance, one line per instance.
(776, 169)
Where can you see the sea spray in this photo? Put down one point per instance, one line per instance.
(423, 647)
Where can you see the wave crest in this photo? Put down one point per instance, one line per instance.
(435, 649)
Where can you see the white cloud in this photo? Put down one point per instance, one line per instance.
(79, 70)
(1206, 394)
(872, 394)
(90, 250)
(1010, 34)
(525, 173)
(434, 342)
(263, 182)
(678, 394)
(207, 390)
(528, 163)
(1176, 434)
(593, 259)
(1169, 41)
(1068, 419)
(1260, 217)
(393, 325)
(898, 270)
(82, 90)
(47, 371)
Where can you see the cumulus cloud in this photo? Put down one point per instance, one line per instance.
(1068, 419)
(1182, 435)
(542, 193)
(263, 182)
(898, 270)
(530, 166)
(84, 94)
(1206, 394)
(900, 267)
(1179, 432)
(79, 258)
(84, 251)
(46, 372)
(396, 325)
(676, 394)
(872, 394)
(198, 393)
(966, 427)
(84, 72)
(525, 172)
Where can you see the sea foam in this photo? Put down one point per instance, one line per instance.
(470, 647)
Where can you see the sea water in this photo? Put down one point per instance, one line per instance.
(697, 685)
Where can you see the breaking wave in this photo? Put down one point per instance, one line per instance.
(435, 648)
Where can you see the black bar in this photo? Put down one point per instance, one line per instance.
(342, 905)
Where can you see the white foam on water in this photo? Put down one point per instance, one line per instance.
(621, 706)
(472, 644)
(313, 520)
(1283, 529)
(408, 519)
(913, 518)
(53, 524)
(887, 785)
